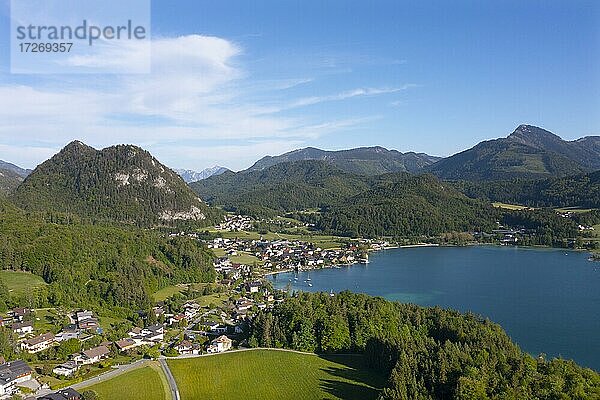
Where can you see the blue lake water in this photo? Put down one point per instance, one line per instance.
(547, 300)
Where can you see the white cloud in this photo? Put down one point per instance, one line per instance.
(196, 94)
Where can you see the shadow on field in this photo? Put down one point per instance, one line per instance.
(352, 380)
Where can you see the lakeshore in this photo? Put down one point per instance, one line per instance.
(554, 290)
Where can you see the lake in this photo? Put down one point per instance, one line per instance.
(548, 300)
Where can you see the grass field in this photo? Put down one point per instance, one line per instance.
(507, 206)
(167, 292)
(272, 374)
(21, 282)
(146, 383)
(241, 258)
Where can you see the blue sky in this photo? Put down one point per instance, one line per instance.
(235, 81)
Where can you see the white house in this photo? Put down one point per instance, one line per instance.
(219, 345)
(38, 343)
(66, 369)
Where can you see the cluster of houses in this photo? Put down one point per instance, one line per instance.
(218, 345)
(16, 373)
(149, 336)
(190, 310)
(283, 254)
(84, 324)
(235, 223)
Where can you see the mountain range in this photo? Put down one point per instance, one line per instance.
(127, 184)
(362, 161)
(22, 172)
(343, 203)
(122, 183)
(189, 175)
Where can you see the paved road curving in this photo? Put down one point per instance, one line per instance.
(170, 379)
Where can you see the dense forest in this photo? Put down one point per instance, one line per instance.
(428, 353)
(581, 190)
(121, 183)
(98, 265)
(284, 187)
(403, 205)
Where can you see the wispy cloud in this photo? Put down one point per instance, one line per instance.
(198, 93)
(360, 92)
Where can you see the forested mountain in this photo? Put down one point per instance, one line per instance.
(529, 152)
(362, 161)
(9, 180)
(428, 353)
(282, 187)
(122, 183)
(189, 175)
(404, 205)
(99, 266)
(390, 204)
(12, 167)
(581, 190)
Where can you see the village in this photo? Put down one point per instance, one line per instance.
(56, 348)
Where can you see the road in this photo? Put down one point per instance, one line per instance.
(170, 379)
(121, 369)
(100, 378)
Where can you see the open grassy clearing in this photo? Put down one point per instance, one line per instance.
(507, 206)
(146, 383)
(167, 292)
(576, 210)
(49, 319)
(272, 374)
(21, 282)
(241, 257)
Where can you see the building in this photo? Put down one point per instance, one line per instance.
(220, 344)
(12, 373)
(125, 344)
(92, 355)
(253, 287)
(38, 343)
(19, 313)
(187, 347)
(62, 394)
(150, 335)
(66, 369)
(22, 328)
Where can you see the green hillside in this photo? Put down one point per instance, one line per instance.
(529, 152)
(121, 183)
(581, 190)
(407, 206)
(96, 265)
(283, 187)
(350, 205)
(427, 353)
